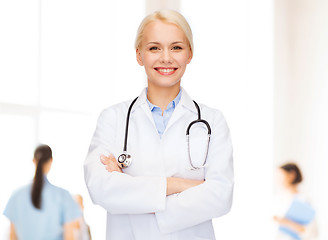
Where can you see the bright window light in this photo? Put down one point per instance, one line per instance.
(232, 70)
(62, 63)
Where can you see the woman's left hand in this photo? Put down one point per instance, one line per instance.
(110, 163)
(290, 224)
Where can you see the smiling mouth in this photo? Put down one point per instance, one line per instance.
(165, 71)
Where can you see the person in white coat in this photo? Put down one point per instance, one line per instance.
(160, 195)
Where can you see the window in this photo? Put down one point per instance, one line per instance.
(62, 63)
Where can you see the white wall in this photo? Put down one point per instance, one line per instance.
(232, 70)
(301, 90)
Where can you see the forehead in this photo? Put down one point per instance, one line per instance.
(158, 31)
(283, 172)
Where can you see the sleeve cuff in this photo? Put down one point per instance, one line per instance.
(163, 218)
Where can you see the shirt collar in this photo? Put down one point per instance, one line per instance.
(172, 104)
(185, 100)
(45, 179)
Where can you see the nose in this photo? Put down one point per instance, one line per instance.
(166, 56)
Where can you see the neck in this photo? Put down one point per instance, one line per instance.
(292, 189)
(161, 96)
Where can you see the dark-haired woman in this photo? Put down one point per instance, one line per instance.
(294, 214)
(41, 210)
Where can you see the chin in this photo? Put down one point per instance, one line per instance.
(168, 85)
(164, 84)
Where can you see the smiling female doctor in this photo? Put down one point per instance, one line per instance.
(162, 186)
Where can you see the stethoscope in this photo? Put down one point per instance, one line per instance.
(125, 159)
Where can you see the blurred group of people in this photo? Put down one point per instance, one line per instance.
(43, 211)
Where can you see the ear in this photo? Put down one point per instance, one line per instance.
(190, 57)
(139, 58)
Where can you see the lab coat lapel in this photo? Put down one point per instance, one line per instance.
(142, 103)
(146, 109)
(184, 105)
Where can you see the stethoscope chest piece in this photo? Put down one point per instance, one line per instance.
(124, 160)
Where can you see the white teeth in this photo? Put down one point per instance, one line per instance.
(165, 70)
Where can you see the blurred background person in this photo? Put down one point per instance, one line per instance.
(294, 214)
(81, 228)
(41, 210)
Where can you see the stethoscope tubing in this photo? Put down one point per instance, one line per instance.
(122, 158)
(127, 125)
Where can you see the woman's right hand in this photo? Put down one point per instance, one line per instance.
(178, 185)
(110, 163)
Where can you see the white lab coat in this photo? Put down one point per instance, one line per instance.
(136, 202)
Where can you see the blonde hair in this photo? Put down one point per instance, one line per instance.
(167, 16)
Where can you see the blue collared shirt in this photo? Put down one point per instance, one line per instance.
(162, 120)
(57, 208)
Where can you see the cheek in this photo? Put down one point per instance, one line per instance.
(281, 177)
(149, 59)
(183, 60)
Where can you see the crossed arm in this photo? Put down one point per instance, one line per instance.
(173, 184)
(290, 224)
(204, 200)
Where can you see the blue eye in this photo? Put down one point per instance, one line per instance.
(153, 48)
(177, 48)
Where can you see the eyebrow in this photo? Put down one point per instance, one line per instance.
(152, 43)
(159, 43)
